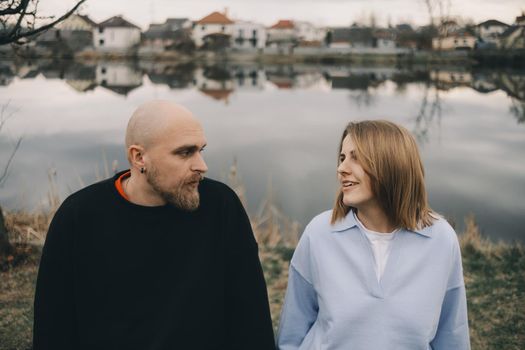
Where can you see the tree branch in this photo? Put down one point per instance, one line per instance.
(14, 37)
(13, 11)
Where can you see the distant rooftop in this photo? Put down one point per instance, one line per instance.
(492, 22)
(88, 20)
(117, 21)
(283, 24)
(215, 18)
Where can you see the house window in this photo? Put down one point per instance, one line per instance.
(101, 30)
(254, 33)
(223, 28)
(101, 42)
(203, 27)
(103, 70)
(455, 41)
(241, 33)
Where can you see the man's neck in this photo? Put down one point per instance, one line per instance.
(140, 192)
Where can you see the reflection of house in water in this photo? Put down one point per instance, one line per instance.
(287, 77)
(215, 82)
(81, 77)
(447, 79)
(359, 78)
(27, 70)
(118, 77)
(249, 78)
(175, 76)
(484, 82)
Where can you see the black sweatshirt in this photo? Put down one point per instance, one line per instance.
(115, 275)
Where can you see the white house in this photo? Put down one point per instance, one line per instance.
(384, 40)
(116, 34)
(77, 22)
(282, 33)
(455, 41)
(214, 30)
(75, 32)
(309, 34)
(161, 36)
(248, 35)
(491, 30)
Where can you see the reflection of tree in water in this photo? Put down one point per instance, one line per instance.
(362, 98)
(517, 109)
(217, 73)
(4, 117)
(514, 86)
(362, 86)
(431, 109)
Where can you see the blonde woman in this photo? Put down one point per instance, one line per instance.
(380, 270)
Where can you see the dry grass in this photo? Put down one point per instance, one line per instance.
(494, 276)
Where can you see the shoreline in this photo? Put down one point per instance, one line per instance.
(494, 277)
(399, 57)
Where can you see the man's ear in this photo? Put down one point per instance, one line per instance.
(136, 156)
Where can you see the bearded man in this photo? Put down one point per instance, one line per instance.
(157, 257)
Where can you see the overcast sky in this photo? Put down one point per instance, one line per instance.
(320, 12)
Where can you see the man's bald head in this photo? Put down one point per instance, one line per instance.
(151, 118)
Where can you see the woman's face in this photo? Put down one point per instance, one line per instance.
(355, 183)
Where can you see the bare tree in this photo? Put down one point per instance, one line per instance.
(431, 108)
(5, 247)
(18, 20)
(439, 14)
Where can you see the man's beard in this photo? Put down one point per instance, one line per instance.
(181, 196)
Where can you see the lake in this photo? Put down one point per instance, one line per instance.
(281, 124)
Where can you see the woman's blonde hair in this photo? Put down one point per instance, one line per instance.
(389, 155)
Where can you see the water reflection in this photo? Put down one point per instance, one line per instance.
(281, 121)
(221, 80)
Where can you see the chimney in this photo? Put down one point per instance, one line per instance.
(225, 11)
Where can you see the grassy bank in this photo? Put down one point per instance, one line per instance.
(494, 276)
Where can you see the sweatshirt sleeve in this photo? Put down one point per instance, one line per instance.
(453, 330)
(248, 320)
(299, 311)
(54, 313)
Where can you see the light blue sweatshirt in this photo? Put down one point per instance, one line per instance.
(334, 300)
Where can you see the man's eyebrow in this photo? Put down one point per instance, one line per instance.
(188, 148)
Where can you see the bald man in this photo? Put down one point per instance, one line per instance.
(157, 257)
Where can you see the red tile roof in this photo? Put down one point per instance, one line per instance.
(283, 24)
(215, 18)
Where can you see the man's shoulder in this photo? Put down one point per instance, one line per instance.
(211, 187)
(93, 193)
(216, 195)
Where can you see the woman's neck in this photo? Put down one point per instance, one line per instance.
(375, 219)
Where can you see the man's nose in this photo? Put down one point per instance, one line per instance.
(200, 165)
